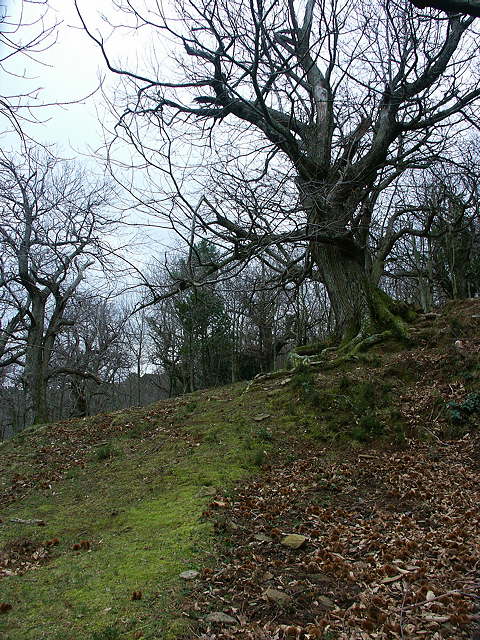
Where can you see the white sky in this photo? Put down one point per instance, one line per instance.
(68, 71)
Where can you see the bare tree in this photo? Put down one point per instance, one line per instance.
(441, 264)
(337, 102)
(138, 340)
(93, 352)
(469, 7)
(52, 228)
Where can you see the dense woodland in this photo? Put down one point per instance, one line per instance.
(316, 167)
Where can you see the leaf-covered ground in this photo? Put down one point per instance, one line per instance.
(391, 551)
(375, 465)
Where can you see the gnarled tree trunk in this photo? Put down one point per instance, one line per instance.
(361, 309)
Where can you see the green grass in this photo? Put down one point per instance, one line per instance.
(142, 512)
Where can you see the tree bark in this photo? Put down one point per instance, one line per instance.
(361, 309)
(35, 368)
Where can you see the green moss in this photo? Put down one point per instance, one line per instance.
(142, 514)
(311, 349)
(389, 314)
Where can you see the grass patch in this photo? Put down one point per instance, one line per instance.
(142, 517)
(107, 451)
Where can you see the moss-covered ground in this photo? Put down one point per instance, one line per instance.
(137, 501)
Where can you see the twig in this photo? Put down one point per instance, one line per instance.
(402, 609)
(442, 595)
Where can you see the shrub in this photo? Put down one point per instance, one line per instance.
(344, 383)
(264, 434)
(363, 397)
(259, 458)
(456, 328)
(371, 424)
(459, 412)
(359, 434)
(106, 451)
(304, 383)
(368, 427)
(400, 438)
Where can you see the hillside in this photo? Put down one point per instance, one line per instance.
(373, 466)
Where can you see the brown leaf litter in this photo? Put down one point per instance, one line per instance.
(392, 548)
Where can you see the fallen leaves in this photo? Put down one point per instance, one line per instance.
(83, 545)
(22, 555)
(393, 553)
(70, 446)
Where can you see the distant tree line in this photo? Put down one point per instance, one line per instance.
(70, 347)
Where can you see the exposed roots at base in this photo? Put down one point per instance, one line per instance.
(346, 352)
(383, 312)
(362, 342)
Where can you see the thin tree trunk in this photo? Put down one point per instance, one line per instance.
(35, 380)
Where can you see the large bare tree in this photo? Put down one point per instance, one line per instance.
(53, 227)
(469, 7)
(337, 99)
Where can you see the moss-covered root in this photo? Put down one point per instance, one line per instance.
(262, 377)
(346, 352)
(387, 314)
(386, 319)
(363, 343)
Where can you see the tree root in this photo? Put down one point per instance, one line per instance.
(346, 352)
(362, 342)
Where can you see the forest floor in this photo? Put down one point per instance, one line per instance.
(373, 468)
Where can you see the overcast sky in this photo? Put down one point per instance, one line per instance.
(68, 71)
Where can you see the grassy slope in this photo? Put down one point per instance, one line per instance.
(140, 508)
(131, 482)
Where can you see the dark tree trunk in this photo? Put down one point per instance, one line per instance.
(35, 380)
(80, 406)
(360, 308)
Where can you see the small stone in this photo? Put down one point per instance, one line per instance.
(267, 576)
(206, 491)
(262, 416)
(191, 574)
(293, 541)
(279, 597)
(219, 616)
(261, 537)
(325, 602)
